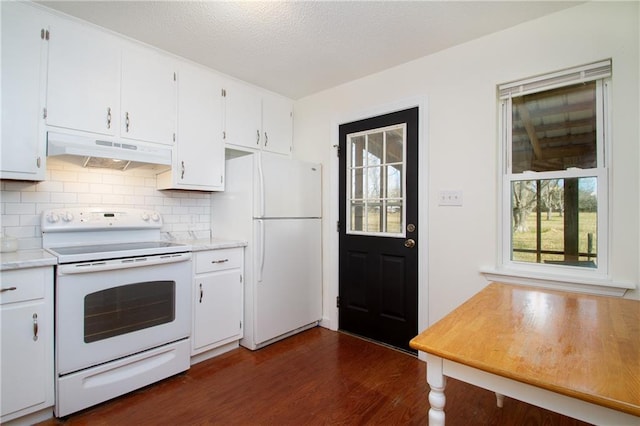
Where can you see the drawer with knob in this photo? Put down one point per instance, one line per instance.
(218, 260)
(23, 284)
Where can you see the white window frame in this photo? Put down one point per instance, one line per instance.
(383, 130)
(599, 72)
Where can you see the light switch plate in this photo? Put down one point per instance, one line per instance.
(450, 198)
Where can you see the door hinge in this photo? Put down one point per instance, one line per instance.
(44, 112)
(175, 77)
(240, 325)
(337, 301)
(224, 135)
(337, 147)
(338, 226)
(174, 137)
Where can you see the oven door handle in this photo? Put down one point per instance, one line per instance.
(109, 265)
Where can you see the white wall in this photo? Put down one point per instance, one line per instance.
(459, 85)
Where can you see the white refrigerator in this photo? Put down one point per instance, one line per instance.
(274, 203)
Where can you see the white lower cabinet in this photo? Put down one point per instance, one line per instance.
(26, 315)
(218, 301)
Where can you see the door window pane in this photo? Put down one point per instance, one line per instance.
(374, 182)
(356, 216)
(376, 187)
(357, 184)
(357, 151)
(394, 218)
(394, 181)
(395, 146)
(374, 218)
(375, 145)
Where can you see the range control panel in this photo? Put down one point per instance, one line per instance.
(99, 218)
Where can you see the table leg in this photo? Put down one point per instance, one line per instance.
(499, 400)
(437, 382)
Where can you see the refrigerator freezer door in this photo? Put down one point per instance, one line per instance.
(287, 188)
(288, 284)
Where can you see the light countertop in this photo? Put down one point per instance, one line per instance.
(212, 244)
(38, 257)
(26, 259)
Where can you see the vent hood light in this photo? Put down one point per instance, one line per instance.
(107, 153)
(106, 163)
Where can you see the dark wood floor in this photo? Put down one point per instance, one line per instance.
(318, 377)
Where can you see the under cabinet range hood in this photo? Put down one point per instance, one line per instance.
(107, 153)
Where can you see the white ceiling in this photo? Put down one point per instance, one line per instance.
(297, 48)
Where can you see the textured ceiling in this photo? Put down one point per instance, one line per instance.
(297, 48)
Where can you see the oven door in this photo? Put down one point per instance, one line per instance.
(107, 310)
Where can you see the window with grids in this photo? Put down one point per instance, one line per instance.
(554, 131)
(376, 181)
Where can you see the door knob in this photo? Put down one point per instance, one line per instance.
(410, 243)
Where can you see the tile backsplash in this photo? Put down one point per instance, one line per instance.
(185, 213)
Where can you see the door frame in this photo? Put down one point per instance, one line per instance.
(331, 248)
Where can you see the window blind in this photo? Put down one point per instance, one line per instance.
(580, 74)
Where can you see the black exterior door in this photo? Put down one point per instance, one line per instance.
(378, 266)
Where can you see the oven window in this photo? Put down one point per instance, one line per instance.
(127, 308)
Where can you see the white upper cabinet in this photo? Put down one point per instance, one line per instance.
(24, 58)
(102, 84)
(83, 90)
(277, 124)
(243, 115)
(257, 120)
(148, 96)
(198, 160)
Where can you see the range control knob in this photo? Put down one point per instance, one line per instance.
(145, 216)
(67, 217)
(53, 218)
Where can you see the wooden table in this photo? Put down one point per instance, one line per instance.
(575, 354)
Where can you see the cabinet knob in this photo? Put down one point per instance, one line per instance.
(182, 170)
(266, 138)
(201, 293)
(257, 137)
(108, 118)
(126, 121)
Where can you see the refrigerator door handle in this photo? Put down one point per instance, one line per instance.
(260, 246)
(261, 186)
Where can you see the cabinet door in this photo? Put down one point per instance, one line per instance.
(24, 52)
(243, 111)
(218, 307)
(83, 90)
(24, 361)
(277, 124)
(148, 96)
(200, 149)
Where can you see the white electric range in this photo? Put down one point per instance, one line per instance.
(122, 303)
